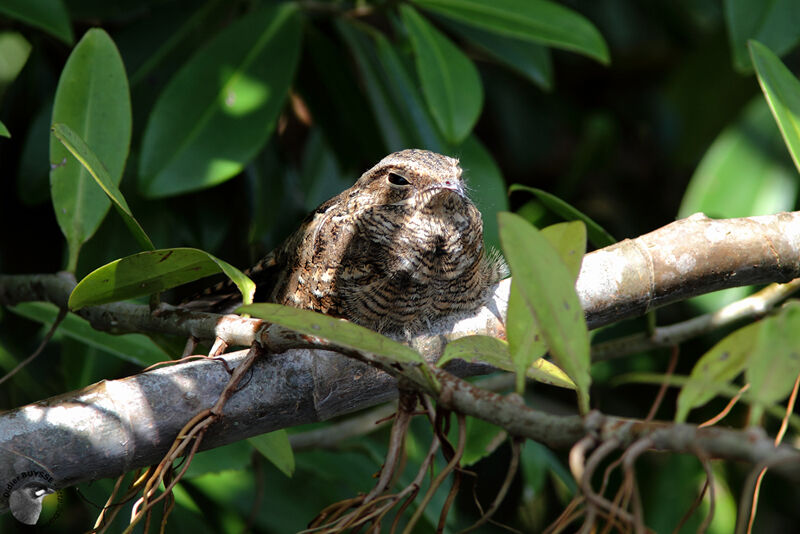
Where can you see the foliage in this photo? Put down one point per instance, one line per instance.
(213, 126)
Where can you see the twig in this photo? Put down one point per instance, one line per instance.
(673, 361)
(753, 306)
(726, 410)
(462, 438)
(501, 494)
(62, 312)
(778, 439)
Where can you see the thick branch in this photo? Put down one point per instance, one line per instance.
(114, 426)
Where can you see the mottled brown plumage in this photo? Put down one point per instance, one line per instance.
(403, 246)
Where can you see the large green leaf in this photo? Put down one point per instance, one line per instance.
(775, 364)
(782, 91)
(275, 447)
(221, 107)
(92, 99)
(4, 131)
(400, 113)
(92, 163)
(714, 371)
(538, 21)
(134, 348)
(773, 23)
(450, 81)
(548, 289)
(531, 60)
(151, 272)
(525, 341)
(48, 15)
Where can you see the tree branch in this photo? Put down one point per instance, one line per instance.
(114, 426)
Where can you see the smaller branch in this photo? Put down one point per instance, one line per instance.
(334, 435)
(752, 307)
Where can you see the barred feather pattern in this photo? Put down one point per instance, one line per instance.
(399, 249)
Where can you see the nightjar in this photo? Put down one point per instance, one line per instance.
(400, 248)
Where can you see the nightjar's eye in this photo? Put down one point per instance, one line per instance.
(396, 179)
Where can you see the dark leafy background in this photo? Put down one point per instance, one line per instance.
(244, 115)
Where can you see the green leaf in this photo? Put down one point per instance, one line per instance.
(548, 290)
(482, 440)
(33, 181)
(219, 110)
(714, 371)
(450, 81)
(151, 272)
(135, 348)
(92, 99)
(531, 60)
(494, 352)
(775, 364)
(401, 116)
(339, 331)
(745, 172)
(569, 240)
(92, 163)
(526, 344)
(773, 23)
(4, 131)
(486, 182)
(537, 21)
(48, 15)
(597, 235)
(275, 447)
(782, 91)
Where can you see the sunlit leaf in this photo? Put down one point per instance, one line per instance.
(92, 99)
(569, 240)
(548, 289)
(222, 106)
(92, 163)
(151, 272)
(782, 91)
(450, 81)
(4, 131)
(275, 447)
(526, 344)
(538, 21)
(14, 53)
